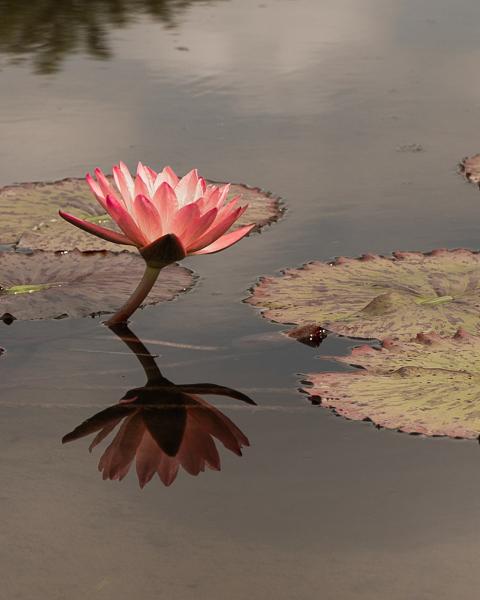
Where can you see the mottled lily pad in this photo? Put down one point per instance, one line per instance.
(377, 296)
(470, 167)
(429, 385)
(33, 207)
(49, 285)
(30, 214)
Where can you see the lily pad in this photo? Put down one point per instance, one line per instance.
(378, 296)
(30, 214)
(33, 207)
(470, 167)
(49, 285)
(429, 385)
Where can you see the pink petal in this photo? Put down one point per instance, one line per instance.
(200, 189)
(147, 218)
(125, 222)
(168, 175)
(148, 176)
(151, 172)
(210, 452)
(106, 187)
(190, 454)
(183, 220)
(102, 434)
(223, 194)
(202, 205)
(123, 471)
(126, 173)
(165, 202)
(218, 229)
(211, 197)
(107, 418)
(101, 232)
(124, 184)
(198, 227)
(186, 188)
(199, 449)
(211, 420)
(95, 188)
(119, 455)
(167, 469)
(226, 240)
(209, 200)
(226, 212)
(226, 209)
(149, 457)
(141, 187)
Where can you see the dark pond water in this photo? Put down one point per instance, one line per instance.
(321, 102)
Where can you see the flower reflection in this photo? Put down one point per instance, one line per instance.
(162, 426)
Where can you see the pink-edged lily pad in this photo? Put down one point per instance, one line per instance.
(429, 385)
(49, 285)
(377, 296)
(470, 167)
(30, 214)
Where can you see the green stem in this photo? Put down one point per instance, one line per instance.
(148, 280)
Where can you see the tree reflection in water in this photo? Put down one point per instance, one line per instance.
(50, 30)
(162, 425)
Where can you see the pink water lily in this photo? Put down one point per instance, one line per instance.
(165, 217)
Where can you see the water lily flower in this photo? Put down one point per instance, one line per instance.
(165, 217)
(163, 426)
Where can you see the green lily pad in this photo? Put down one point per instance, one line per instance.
(429, 385)
(378, 296)
(30, 214)
(49, 285)
(470, 167)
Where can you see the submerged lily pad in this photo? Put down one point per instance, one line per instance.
(428, 385)
(377, 296)
(49, 285)
(30, 214)
(470, 167)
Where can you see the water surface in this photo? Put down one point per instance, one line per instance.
(357, 116)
